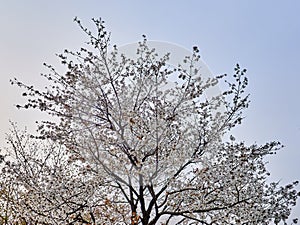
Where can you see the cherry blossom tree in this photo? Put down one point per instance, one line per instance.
(129, 146)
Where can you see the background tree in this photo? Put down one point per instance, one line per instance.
(130, 146)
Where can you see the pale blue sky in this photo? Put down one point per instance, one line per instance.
(262, 36)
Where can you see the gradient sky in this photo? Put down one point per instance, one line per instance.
(262, 36)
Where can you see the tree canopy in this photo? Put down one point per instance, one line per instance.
(126, 147)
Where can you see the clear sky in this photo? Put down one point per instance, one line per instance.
(263, 36)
